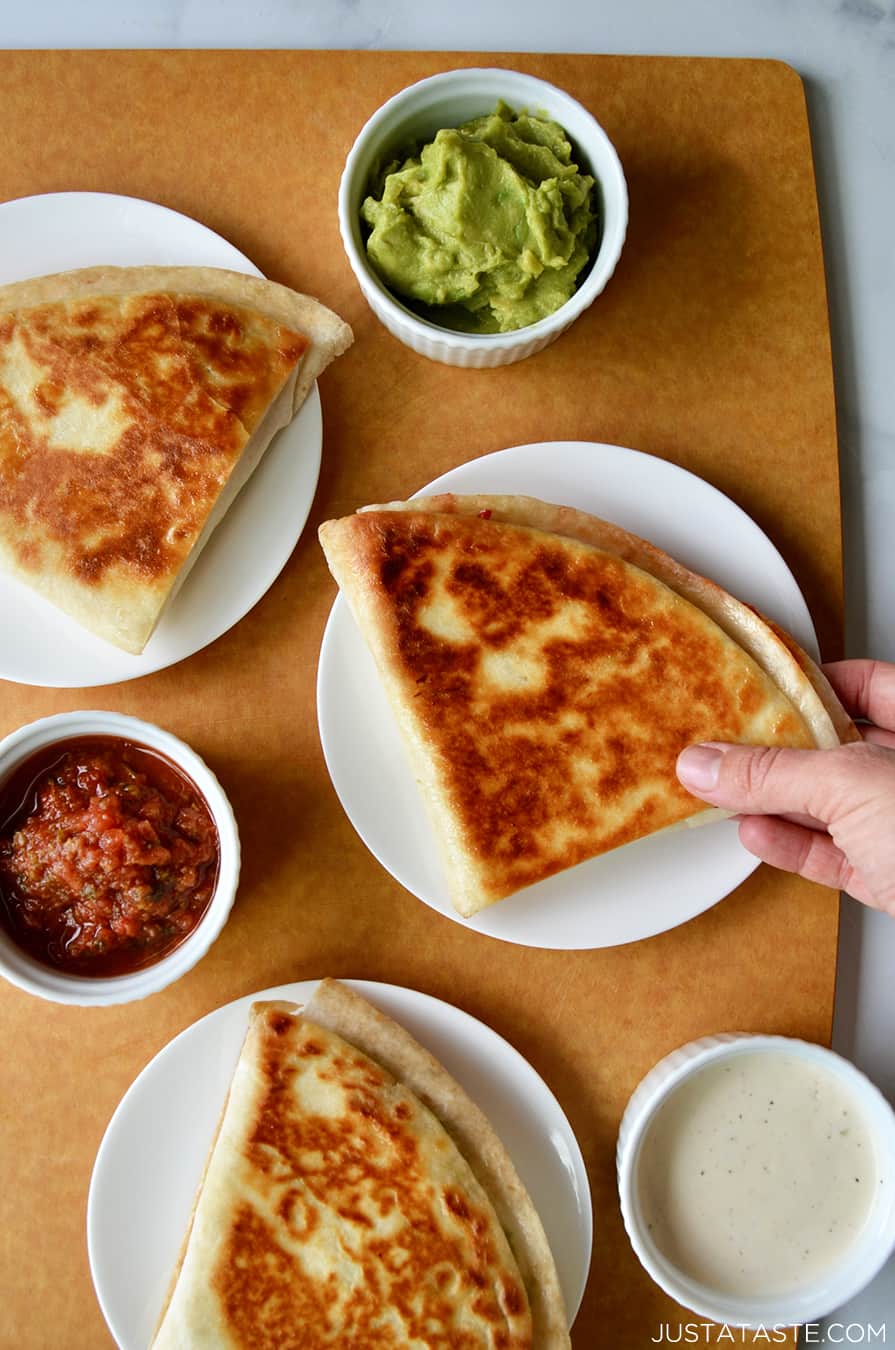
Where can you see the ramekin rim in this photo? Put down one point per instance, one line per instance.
(692, 1057)
(425, 330)
(67, 987)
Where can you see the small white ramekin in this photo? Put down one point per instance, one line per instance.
(86, 990)
(447, 100)
(859, 1263)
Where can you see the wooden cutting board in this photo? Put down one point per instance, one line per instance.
(710, 348)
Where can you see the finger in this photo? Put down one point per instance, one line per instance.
(809, 822)
(752, 780)
(867, 689)
(757, 780)
(879, 737)
(806, 821)
(809, 853)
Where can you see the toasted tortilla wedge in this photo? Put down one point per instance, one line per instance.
(338, 1209)
(339, 1008)
(544, 683)
(778, 654)
(134, 404)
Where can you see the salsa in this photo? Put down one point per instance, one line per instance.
(108, 856)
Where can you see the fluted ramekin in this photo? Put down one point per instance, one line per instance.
(858, 1263)
(448, 100)
(95, 991)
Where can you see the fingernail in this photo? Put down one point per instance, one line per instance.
(698, 767)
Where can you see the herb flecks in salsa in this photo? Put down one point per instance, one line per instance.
(108, 856)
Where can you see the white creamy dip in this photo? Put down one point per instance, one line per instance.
(757, 1173)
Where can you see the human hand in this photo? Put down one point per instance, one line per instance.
(827, 814)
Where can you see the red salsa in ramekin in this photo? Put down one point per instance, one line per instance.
(108, 856)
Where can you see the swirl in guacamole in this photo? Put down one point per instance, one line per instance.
(487, 227)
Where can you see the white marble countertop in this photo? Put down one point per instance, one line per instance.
(845, 51)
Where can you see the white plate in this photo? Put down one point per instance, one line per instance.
(152, 1155)
(41, 645)
(636, 891)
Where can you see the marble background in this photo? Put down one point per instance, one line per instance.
(845, 51)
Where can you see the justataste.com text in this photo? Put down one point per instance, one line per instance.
(709, 1333)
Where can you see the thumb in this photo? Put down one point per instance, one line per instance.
(759, 780)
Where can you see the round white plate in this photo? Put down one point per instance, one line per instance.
(41, 645)
(152, 1155)
(636, 891)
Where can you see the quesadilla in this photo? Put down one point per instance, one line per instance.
(355, 1197)
(134, 405)
(546, 668)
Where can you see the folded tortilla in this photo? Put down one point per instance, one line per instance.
(354, 1196)
(135, 403)
(546, 668)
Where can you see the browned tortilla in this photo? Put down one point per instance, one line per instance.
(337, 1209)
(134, 404)
(545, 685)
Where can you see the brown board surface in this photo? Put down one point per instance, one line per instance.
(710, 348)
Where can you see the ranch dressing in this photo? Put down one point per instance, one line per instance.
(757, 1173)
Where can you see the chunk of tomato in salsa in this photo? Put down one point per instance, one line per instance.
(108, 856)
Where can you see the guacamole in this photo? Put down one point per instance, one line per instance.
(487, 227)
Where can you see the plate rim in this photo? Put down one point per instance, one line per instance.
(339, 613)
(301, 990)
(86, 196)
(308, 422)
